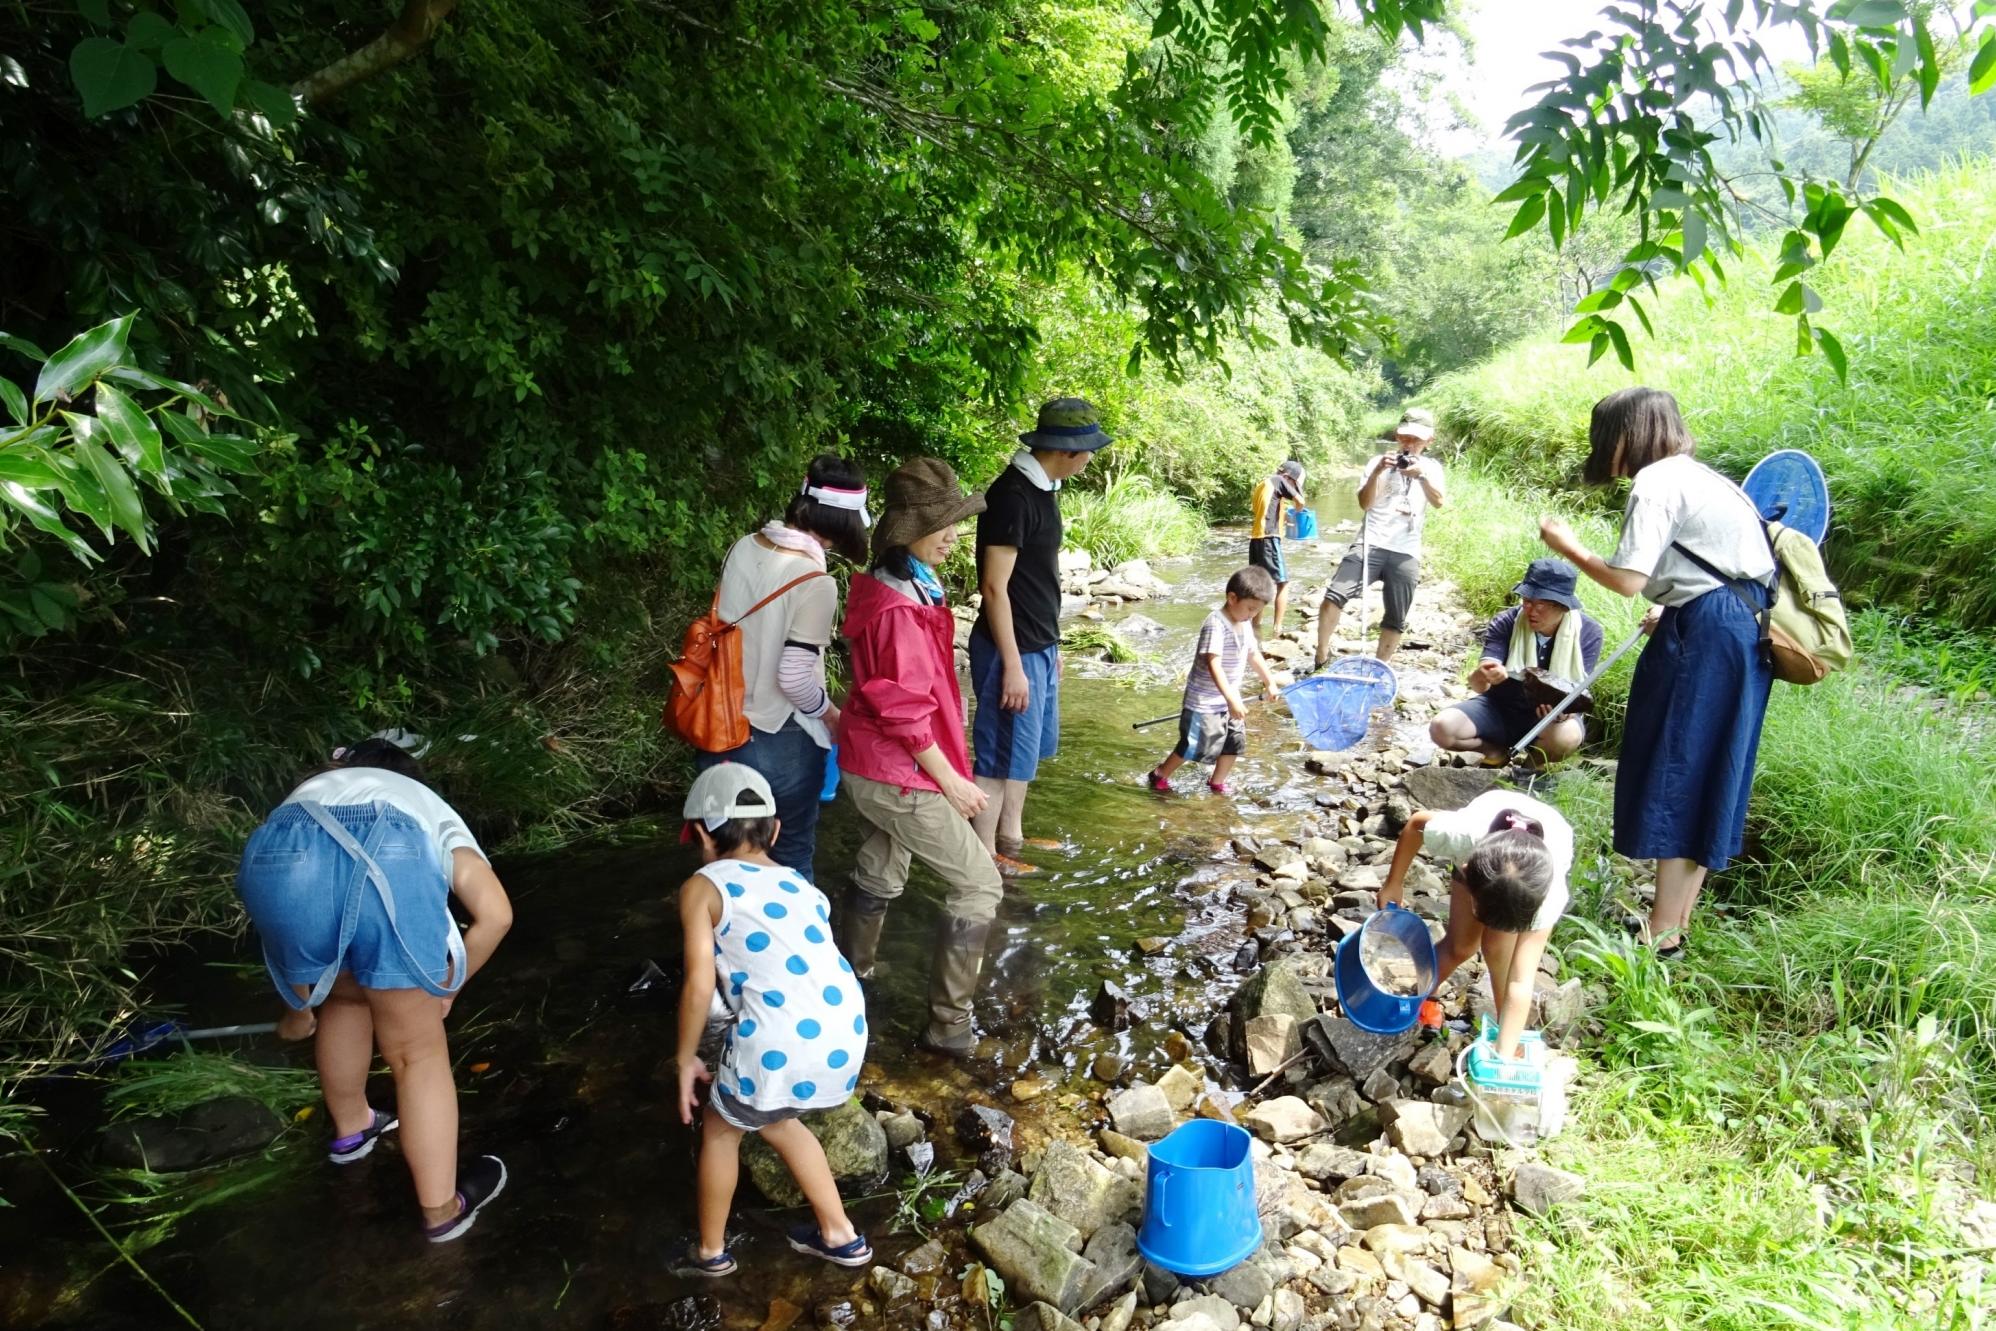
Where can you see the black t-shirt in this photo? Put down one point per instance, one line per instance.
(1020, 514)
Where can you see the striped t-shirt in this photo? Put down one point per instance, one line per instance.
(1228, 641)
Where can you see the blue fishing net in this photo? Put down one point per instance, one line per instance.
(1334, 709)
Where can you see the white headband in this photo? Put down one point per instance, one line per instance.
(833, 497)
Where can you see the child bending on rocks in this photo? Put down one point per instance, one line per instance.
(796, 1020)
(1512, 854)
(1211, 718)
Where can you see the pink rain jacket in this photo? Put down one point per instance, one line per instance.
(904, 694)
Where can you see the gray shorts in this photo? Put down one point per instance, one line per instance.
(1396, 572)
(742, 1116)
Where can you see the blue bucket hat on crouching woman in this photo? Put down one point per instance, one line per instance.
(1067, 425)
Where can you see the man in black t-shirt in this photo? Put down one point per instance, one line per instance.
(1015, 644)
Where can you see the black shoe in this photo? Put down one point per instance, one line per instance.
(477, 1183)
(346, 1150)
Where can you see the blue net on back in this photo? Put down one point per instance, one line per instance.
(1334, 709)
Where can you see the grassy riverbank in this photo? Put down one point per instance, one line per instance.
(1786, 1128)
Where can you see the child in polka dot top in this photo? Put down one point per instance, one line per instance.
(760, 937)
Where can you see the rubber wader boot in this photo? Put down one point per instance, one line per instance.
(959, 960)
(860, 919)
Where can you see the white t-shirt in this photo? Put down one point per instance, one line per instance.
(364, 785)
(1452, 835)
(803, 614)
(1399, 508)
(1681, 499)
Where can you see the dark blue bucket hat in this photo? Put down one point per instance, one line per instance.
(1067, 425)
(1550, 580)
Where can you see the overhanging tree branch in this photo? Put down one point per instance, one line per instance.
(408, 34)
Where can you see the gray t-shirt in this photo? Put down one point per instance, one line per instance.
(804, 614)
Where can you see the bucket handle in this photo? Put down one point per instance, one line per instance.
(1163, 1214)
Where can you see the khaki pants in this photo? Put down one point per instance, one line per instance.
(910, 823)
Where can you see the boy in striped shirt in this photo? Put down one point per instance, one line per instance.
(1210, 720)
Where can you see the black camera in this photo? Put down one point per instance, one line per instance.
(1403, 461)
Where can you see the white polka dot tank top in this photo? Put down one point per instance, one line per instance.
(800, 1020)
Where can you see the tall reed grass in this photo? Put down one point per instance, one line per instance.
(1130, 517)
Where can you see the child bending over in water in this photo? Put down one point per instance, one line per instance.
(1512, 856)
(761, 937)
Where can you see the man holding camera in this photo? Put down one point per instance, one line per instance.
(1399, 489)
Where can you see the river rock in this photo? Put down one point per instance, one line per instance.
(1429, 1285)
(1272, 1039)
(855, 1149)
(1422, 1127)
(1537, 1188)
(1113, 1251)
(1336, 1099)
(1277, 989)
(1119, 1317)
(1038, 1253)
(890, 1286)
(220, 1129)
(1328, 1163)
(1111, 1007)
(1396, 1169)
(695, 1312)
(1382, 1208)
(1209, 1308)
(1181, 1086)
(1043, 1317)
(1476, 1289)
(1447, 787)
(926, 1260)
(1244, 1286)
(1078, 1189)
(1286, 1311)
(988, 1132)
(1141, 1112)
(1283, 1119)
(1124, 1148)
(903, 1130)
(1356, 1053)
(1006, 1187)
(1432, 1066)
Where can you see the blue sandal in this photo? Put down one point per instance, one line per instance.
(722, 1264)
(810, 1241)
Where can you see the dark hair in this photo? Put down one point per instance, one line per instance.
(743, 834)
(1252, 584)
(897, 560)
(845, 528)
(1508, 875)
(1643, 422)
(371, 752)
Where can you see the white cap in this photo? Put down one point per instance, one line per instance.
(729, 790)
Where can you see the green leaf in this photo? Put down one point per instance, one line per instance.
(1637, 306)
(130, 430)
(1606, 298)
(1791, 300)
(1585, 330)
(148, 31)
(1870, 13)
(1597, 348)
(25, 347)
(132, 374)
(97, 11)
(233, 18)
(1556, 217)
(1694, 236)
(1622, 350)
(919, 26)
(1982, 70)
(110, 75)
(126, 508)
(16, 401)
(46, 519)
(88, 355)
(277, 105)
(29, 466)
(1527, 216)
(1522, 189)
(205, 64)
(1833, 352)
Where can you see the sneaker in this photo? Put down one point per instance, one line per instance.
(1044, 843)
(1219, 788)
(1011, 868)
(808, 1240)
(477, 1183)
(1157, 781)
(346, 1150)
(711, 1267)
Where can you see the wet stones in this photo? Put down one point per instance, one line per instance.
(1447, 787)
(1181, 1086)
(1141, 1112)
(695, 1312)
(988, 1132)
(855, 1149)
(1074, 1187)
(220, 1129)
(1110, 1007)
(1277, 989)
(1037, 1253)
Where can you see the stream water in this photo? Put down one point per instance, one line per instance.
(566, 1074)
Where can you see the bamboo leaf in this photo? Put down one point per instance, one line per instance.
(130, 430)
(1833, 352)
(88, 355)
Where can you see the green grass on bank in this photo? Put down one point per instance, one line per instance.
(1784, 1129)
(1909, 444)
(1130, 518)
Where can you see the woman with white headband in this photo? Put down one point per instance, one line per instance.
(792, 718)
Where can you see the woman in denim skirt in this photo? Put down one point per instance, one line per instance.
(348, 883)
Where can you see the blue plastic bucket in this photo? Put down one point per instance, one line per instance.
(1366, 1004)
(1199, 1204)
(1302, 524)
(830, 791)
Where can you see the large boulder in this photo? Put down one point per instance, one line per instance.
(1356, 1053)
(1075, 1187)
(1276, 989)
(1038, 1253)
(1447, 787)
(855, 1148)
(217, 1130)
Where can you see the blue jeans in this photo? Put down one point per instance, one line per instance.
(793, 764)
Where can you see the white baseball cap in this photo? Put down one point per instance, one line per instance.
(724, 791)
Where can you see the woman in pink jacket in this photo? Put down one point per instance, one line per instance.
(901, 749)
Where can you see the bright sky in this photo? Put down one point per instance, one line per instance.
(1510, 37)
